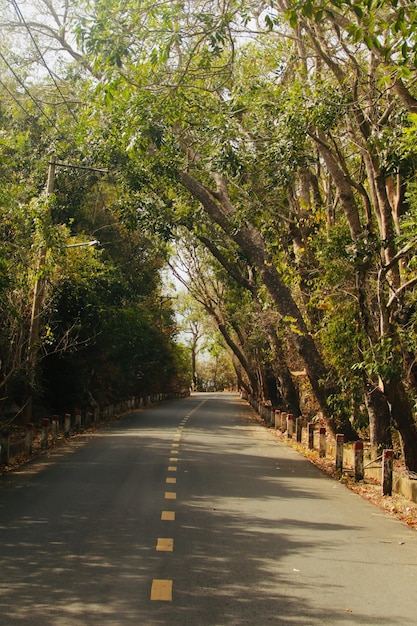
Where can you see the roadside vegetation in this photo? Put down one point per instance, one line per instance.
(272, 146)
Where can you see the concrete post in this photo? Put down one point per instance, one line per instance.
(277, 418)
(78, 421)
(358, 460)
(340, 440)
(55, 428)
(4, 447)
(322, 442)
(67, 425)
(299, 429)
(387, 459)
(290, 425)
(29, 438)
(310, 435)
(44, 433)
(283, 421)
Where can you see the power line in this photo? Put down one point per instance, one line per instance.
(11, 94)
(21, 83)
(21, 17)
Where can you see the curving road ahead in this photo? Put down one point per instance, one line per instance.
(192, 513)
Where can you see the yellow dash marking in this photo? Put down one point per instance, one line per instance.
(164, 545)
(172, 468)
(173, 459)
(168, 516)
(171, 481)
(170, 495)
(161, 590)
(175, 445)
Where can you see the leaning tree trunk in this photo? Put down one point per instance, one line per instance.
(379, 418)
(403, 418)
(288, 390)
(219, 208)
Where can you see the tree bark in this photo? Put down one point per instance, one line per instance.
(403, 419)
(219, 208)
(379, 418)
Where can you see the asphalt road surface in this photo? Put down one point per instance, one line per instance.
(192, 513)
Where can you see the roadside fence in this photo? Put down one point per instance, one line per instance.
(354, 458)
(38, 437)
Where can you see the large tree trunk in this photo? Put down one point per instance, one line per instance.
(286, 393)
(379, 418)
(219, 208)
(290, 400)
(403, 418)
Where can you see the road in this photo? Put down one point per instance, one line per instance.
(192, 513)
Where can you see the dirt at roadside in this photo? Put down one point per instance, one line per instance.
(396, 505)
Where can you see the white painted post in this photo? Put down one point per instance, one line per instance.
(277, 418)
(358, 460)
(67, 425)
(290, 425)
(44, 433)
(55, 428)
(340, 440)
(322, 442)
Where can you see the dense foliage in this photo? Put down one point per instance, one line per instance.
(282, 139)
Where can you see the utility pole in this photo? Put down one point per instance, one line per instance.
(37, 303)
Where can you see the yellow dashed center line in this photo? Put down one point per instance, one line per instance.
(161, 590)
(168, 516)
(164, 544)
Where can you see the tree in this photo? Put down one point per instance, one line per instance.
(301, 148)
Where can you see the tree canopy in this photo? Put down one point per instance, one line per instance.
(278, 140)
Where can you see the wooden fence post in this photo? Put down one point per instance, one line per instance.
(298, 429)
(387, 458)
(310, 430)
(67, 425)
(277, 418)
(44, 433)
(55, 428)
(29, 438)
(358, 460)
(322, 442)
(4, 447)
(340, 440)
(290, 425)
